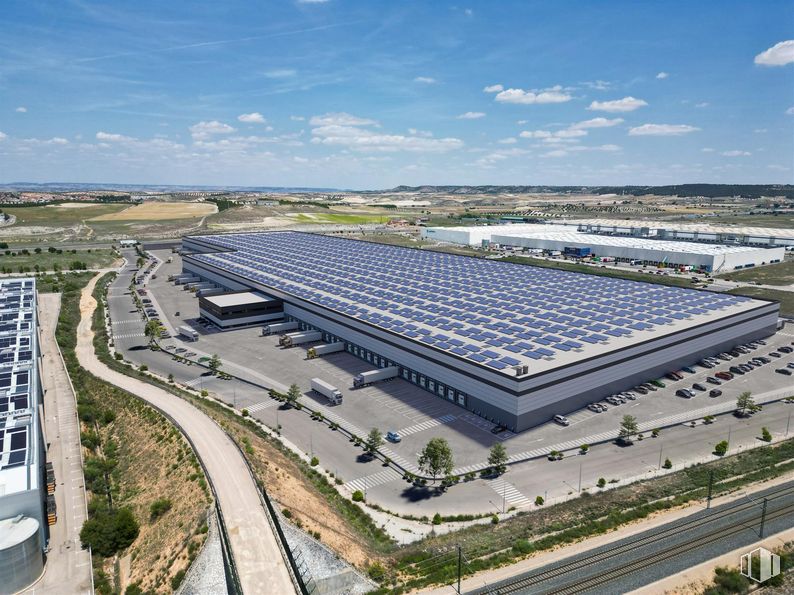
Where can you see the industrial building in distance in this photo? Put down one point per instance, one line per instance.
(513, 343)
(24, 527)
(646, 248)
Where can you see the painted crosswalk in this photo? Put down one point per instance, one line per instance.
(485, 425)
(426, 425)
(376, 479)
(339, 420)
(401, 461)
(128, 335)
(509, 492)
(261, 406)
(195, 382)
(128, 321)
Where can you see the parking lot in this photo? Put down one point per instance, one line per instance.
(394, 405)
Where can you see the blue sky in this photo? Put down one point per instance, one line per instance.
(370, 94)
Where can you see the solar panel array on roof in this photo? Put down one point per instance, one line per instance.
(492, 313)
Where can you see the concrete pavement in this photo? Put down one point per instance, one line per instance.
(68, 568)
(255, 548)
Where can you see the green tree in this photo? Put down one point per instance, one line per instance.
(293, 394)
(628, 428)
(436, 458)
(497, 458)
(745, 403)
(766, 435)
(159, 507)
(215, 363)
(374, 441)
(721, 448)
(109, 531)
(152, 330)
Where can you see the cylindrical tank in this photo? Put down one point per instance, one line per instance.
(21, 557)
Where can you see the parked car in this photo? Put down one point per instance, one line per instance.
(784, 371)
(715, 392)
(785, 349)
(725, 357)
(790, 365)
(724, 375)
(393, 437)
(700, 387)
(648, 386)
(673, 376)
(706, 364)
(736, 370)
(596, 407)
(562, 420)
(658, 383)
(775, 354)
(713, 380)
(498, 429)
(688, 369)
(628, 395)
(641, 390)
(613, 400)
(684, 392)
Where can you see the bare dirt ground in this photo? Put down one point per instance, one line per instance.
(160, 211)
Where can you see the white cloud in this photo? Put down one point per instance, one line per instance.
(21, 109)
(597, 123)
(662, 130)
(662, 75)
(252, 118)
(297, 118)
(779, 54)
(521, 122)
(627, 104)
(203, 130)
(735, 153)
(507, 141)
(110, 137)
(312, 1)
(349, 131)
(340, 119)
(280, 73)
(555, 153)
(535, 134)
(3, 135)
(570, 133)
(597, 85)
(790, 111)
(471, 116)
(706, 150)
(425, 79)
(493, 89)
(416, 132)
(522, 97)
(760, 130)
(702, 104)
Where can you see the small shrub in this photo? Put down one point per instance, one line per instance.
(358, 496)
(377, 572)
(601, 482)
(655, 432)
(766, 436)
(495, 519)
(287, 513)
(437, 519)
(314, 462)
(667, 464)
(245, 413)
(721, 448)
(539, 501)
(159, 508)
(522, 546)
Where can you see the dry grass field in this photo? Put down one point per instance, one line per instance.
(160, 211)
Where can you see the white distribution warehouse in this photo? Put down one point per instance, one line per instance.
(513, 343)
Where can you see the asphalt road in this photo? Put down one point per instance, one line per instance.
(255, 548)
(660, 552)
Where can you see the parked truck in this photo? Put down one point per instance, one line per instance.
(324, 349)
(372, 376)
(292, 339)
(185, 280)
(279, 327)
(189, 333)
(210, 291)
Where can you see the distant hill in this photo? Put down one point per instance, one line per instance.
(707, 190)
(79, 186)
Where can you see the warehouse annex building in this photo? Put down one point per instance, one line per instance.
(24, 528)
(646, 248)
(513, 343)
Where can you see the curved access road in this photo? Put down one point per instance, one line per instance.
(260, 564)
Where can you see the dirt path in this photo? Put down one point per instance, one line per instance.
(255, 548)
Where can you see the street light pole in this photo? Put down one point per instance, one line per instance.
(788, 423)
(580, 477)
(661, 446)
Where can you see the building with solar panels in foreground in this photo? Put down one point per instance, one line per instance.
(513, 343)
(23, 483)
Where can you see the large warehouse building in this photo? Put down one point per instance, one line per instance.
(23, 487)
(513, 343)
(646, 248)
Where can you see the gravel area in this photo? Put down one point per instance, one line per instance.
(206, 575)
(332, 575)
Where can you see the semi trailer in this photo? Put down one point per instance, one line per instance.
(279, 327)
(329, 391)
(189, 333)
(292, 339)
(319, 350)
(184, 280)
(372, 376)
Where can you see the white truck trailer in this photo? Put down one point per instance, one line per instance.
(319, 350)
(210, 291)
(184, 280)
(279, 327)
(329, 391)
(292, 339)
(189, 333)
(372, 376)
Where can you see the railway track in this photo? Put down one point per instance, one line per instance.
(780, 503)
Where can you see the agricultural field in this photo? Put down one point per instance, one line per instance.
(772, 274)
(160, 211)
(26, 260)
(786, 298)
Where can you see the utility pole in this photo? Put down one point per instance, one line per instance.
(711, 484)
(580, 477)
(729, 436)
(763, 520)
(788, 423)
(460, 560)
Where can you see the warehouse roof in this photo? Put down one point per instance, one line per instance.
(494, 314)
(570, 235)
(224, 300)
(18, 377)
(741, 230)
